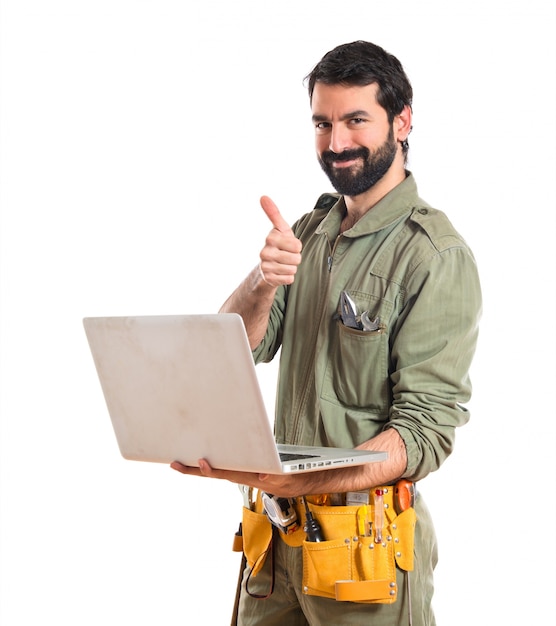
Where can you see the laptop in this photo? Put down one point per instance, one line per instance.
(184, 388)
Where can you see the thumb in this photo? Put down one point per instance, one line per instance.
(274, 215)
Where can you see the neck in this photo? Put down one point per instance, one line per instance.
(357, 206)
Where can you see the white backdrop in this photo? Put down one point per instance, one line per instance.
(136, 139)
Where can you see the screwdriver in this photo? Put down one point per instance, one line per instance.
(312, 527)
(379, 514)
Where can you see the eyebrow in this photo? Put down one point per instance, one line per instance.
(347, 116)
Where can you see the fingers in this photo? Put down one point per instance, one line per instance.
(204, 469)
(282, 252)
(282, 485)
(185, 469)
(274, 215)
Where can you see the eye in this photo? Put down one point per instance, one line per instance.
(322, 128)
(357, 121)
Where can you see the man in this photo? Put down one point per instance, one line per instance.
(398, 387)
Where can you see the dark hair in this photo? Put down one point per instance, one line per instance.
(362, 63)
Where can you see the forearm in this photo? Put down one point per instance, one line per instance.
(253, 301)
(359, 477)
(393, 468)
(371, 474)
(326, 481)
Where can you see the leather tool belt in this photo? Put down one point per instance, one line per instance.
(356, 561)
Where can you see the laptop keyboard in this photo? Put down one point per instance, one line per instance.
(286, 456)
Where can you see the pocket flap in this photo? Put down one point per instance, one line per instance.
(403, 532)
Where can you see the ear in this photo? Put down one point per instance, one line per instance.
(402, 123)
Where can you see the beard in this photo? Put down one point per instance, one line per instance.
(357, 179)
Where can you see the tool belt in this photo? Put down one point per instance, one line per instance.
(351, 564)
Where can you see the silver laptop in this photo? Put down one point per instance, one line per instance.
(184, 387)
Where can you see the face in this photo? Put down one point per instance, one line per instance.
(355, 142)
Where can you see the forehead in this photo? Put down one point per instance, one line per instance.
(339, 100)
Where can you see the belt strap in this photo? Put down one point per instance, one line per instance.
(358, 591)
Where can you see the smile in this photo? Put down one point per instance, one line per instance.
(343, 164)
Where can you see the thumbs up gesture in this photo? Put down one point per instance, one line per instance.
(282, 251)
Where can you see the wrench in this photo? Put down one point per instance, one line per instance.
(247, 493)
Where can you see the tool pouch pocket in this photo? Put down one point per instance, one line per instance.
(257, 537)
(352, 567)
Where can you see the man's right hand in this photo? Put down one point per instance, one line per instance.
(282, 251)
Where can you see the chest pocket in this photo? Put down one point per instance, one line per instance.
(357, 367)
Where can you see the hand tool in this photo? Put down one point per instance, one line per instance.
(312, 527)
(379, 514)
(247, 493)
(363, 523)
(351, 319)
(281, 512)
(349, 311)
(404, 495)
(369, 324)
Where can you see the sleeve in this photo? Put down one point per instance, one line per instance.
(269, 346)
(432, 348)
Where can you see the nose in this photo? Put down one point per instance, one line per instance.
(339, 138)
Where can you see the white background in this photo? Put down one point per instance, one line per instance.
(136, 139)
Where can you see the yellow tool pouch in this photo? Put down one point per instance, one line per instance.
(350, 564)
(256, 537)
